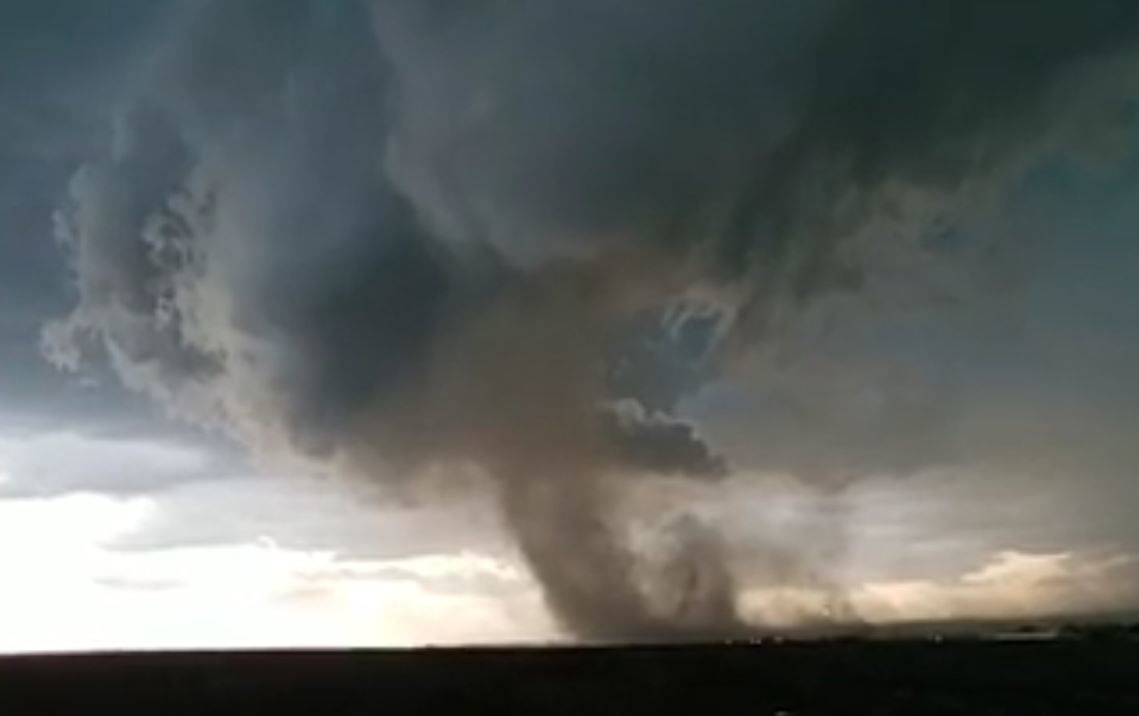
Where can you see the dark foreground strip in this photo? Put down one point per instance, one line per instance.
(967, 677)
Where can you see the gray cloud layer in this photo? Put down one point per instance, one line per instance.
(394, 234)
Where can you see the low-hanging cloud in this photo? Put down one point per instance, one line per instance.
(388, 235)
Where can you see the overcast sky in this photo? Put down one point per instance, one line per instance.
(954, 438)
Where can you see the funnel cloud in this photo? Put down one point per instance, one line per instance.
(380, 237)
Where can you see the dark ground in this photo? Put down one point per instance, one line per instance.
(1064, 676)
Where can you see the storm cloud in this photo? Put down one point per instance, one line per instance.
(385, 236)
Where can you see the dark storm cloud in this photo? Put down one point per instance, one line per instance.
(549, 128)
(393, 234)
(64, 65)
(1024, 371)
